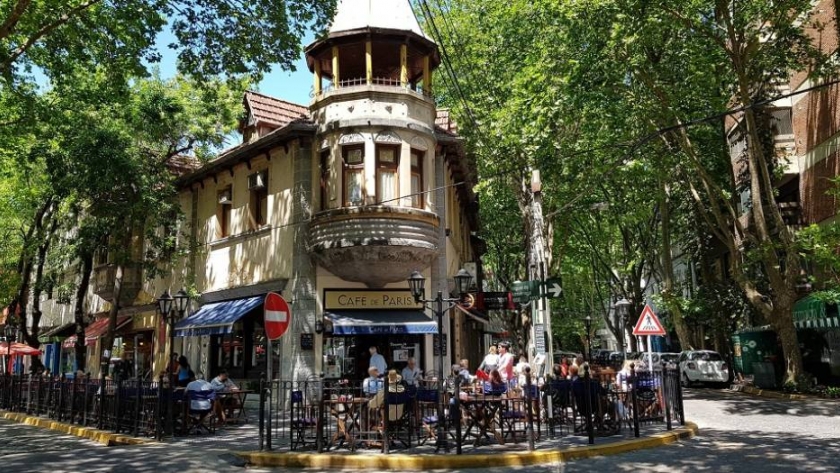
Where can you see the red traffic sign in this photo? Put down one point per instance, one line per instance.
(649, 324)
(277, 316)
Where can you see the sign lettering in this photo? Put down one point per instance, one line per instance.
(398, 299)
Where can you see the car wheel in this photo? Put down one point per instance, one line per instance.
(685, 381)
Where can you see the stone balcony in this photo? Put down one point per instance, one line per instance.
(374, 245)
(103, 282)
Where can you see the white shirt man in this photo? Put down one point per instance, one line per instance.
(200, 404)
(411, 373)
(378, 361)
(505, 362)
(372, 384)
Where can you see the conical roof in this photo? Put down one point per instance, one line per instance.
(386, 14)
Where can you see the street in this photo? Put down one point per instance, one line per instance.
(737, 433)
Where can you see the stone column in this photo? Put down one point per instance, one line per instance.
(301, 290)
(438, 271)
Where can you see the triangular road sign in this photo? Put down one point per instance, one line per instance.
(648, 324)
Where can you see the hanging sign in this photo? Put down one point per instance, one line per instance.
(277, 316)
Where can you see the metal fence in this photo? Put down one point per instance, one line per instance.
(133, 407)
(321, 415)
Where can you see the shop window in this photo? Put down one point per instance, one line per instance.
(325, 176)
(223, 212)
(417, 197)
(354, 164)
(258, 204)
(387, 183)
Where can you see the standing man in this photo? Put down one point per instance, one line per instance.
(505, 362)
(377, 361)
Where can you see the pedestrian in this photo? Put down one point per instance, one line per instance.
(185, 372)
(505, 362)
(378, 360)
(491, 360)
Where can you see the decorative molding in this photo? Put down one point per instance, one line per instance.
(351, 138)
(419, 143)
(388, 136)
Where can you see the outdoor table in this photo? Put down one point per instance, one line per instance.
(240, 396)
(345, 409)
(482, 412)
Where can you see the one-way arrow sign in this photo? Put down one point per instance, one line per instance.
(553, 289)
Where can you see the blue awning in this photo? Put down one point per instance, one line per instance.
(216, 318)
(381, 322)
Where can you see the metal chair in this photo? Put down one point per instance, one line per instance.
(200, 420)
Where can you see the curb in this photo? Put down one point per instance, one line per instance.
(772, 394)
(435, 462)
(105, 438)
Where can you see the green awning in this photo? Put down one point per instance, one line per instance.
(57, 334)
(809, 312)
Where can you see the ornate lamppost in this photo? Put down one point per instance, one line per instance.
(622, 307)
(587, 323)
(417, 284)
(172, 309)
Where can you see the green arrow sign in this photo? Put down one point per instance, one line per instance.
(553, 288)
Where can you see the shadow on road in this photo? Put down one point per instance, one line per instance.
(744, 404)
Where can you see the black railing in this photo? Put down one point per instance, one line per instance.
(132, 407)
(322, 416)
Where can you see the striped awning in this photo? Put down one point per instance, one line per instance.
(810, 312)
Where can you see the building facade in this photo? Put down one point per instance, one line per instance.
(332, 205)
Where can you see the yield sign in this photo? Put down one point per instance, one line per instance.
(277, 316)
(648, 324)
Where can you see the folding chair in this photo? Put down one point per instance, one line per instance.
(200, 420)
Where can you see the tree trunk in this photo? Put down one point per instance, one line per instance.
(782, 322)
(85, 268)
(671, 299)
(108, 339)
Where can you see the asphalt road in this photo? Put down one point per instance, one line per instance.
(737, 433)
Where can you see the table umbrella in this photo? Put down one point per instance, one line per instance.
(18, 349)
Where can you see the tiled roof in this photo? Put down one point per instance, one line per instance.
(271, 111)
(444, 121)
(183, 164)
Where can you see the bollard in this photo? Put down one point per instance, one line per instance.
(635, 401)
(666, 390)
(587, 389)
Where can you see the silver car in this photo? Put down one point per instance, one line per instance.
(703, 366)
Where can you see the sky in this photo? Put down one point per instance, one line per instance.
(292, 86)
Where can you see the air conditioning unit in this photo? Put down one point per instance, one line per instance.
(224, 197)
(258, 180)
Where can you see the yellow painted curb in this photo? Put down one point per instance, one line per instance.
(105, 438)
(775, 395)
(434, 462)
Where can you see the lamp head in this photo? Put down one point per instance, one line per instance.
(165, 302)
(182, 300)
(319, 327)
(588, 322)
(462, 281)
(417, 285)
(623, 307)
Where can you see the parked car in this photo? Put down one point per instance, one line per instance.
(601, 356)
(617, 357)
(703, 366)
(558, 356)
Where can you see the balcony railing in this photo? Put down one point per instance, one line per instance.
(104, 276)
(361, 82)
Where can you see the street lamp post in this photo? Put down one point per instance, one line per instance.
(172, 309)
(417, 283)
(622, 307)
(587, 323)
(10, 335)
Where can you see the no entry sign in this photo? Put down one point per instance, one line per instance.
(277, 316)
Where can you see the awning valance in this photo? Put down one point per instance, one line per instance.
(57, 334)
(217, 318)
(381, 322)
(810, 312)
(97, 329)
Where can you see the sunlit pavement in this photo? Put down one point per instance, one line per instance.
(738, 432)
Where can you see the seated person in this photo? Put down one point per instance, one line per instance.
(411, 373)
(372, 384)
(495, 386)
(199, 384)
(223, 384)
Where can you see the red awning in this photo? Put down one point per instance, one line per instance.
(18, 349)
(96, 330)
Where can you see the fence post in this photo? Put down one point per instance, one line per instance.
(530, 417)
(666, 393)
(319, 423)
(159, 410)
(680, 407)
(262, 412)
(138, 411)
(73, 386)
(587, 391)
(455, 415)
(386, 441)
(28, 409)
(635, 400)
